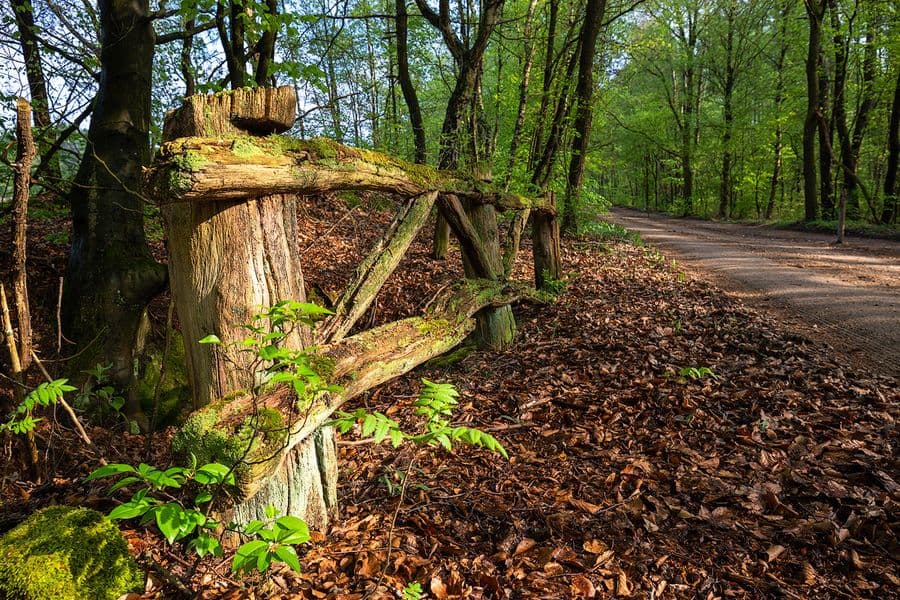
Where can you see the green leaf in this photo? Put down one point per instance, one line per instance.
(125, 481)
(206, 544)
(130, 510)
(170, 519)
(292, 530)
(245, 558)
(288, 555)
(108, 470)
(214, 473)
(210, 339)
(253, 527)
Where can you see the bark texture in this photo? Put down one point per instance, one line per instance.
(815, 11)
(25, 152)
(260, 111)
(111, 274)
(201, 169)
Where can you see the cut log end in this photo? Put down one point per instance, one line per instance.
(254, 111)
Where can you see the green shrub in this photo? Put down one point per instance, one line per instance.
(66, 553)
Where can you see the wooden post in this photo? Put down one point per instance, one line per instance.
(545, 240)
(228, 260)
(21, 188)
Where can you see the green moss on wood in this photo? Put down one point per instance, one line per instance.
(67, 553)
(173, 391)
(203, 435)
(212, 436)
(244, 147)
(190, 161)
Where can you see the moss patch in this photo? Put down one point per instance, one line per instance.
(212, 436)
(174, 389)
(67, 553)
(204, 437)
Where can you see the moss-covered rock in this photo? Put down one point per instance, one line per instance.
(66, 553)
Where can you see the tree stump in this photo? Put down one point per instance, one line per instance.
(228, 260)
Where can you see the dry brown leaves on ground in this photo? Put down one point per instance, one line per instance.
(627, 477)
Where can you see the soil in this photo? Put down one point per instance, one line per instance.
(845, 295)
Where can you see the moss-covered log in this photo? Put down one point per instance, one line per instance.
(197, 169)
(228, 430)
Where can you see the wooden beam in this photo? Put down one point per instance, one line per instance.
(374, 270)
(359, 363)
(197, 169)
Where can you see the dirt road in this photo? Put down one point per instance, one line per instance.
(847, 296)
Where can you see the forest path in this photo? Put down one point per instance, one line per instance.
(847, 296)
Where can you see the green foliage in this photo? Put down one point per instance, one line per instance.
(46, 394)
(277, 538)
(66, 553)
(696, 373)
(554, 287)
(412, 591)
(435, 404)
(605, 230)
(100, 399)
(155, 501)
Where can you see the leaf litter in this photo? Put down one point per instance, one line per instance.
(776, 477)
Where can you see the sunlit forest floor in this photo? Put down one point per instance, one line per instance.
(628, 475)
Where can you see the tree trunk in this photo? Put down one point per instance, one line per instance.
(187, 67)
(866, 104)
(826, 135)
(779, 102)
(266, 47)
(581, 128)
(546, 87)
(406, 85)
(227, 260)
(815, 10)
(111, 275)
(21, 191)
(889, 211)
(523, 93)
(546, 251)
(468, 60)
(725, 189)
(839, 115)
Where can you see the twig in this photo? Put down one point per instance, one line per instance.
(65, 405)
(18, 390)
(327, 233)
(59, 334)
(168, 576)
(387, 560)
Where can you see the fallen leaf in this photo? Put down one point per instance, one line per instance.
(582, 587)
(595, 547)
